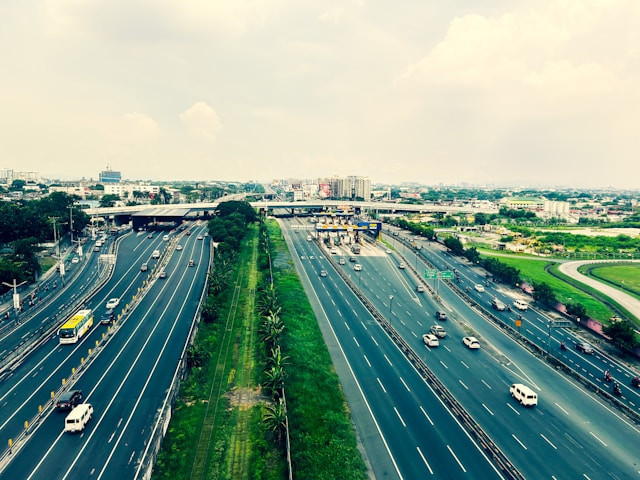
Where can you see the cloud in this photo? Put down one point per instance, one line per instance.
(201, 121)
(139, 126)
(514, 48)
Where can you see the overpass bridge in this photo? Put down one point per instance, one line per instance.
(198, 209)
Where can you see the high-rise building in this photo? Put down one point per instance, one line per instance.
(109, 176)
(351, 188)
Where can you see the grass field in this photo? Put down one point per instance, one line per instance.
(323, 444)
(217, 407)
(626, 276)
(534, 271)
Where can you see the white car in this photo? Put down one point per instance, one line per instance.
(479, 287)
(357, 267)
(438, 331)
(342, 261)
(402, 265)
(471, 343)
(75, 260)
(112, 303)
(334, 251)
(199, 237)
(178, 247)
(388, 250)
(430, 340)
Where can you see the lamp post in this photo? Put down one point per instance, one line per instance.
(16, 295)
(390, 305)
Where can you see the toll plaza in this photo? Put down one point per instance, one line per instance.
(346, 230)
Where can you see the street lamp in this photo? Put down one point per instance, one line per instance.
(390, 304)
(16, 295)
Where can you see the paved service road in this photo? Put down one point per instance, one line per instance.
(632, 304)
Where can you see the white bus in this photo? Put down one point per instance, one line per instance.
(76, 326)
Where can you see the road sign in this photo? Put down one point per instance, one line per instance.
(430, 274)
(560, 324)
(446, 274)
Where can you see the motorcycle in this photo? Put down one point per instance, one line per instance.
(563, 346)
(616, 390)
(635, 382)
(607, 377)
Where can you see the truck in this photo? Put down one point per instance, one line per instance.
(355, 249)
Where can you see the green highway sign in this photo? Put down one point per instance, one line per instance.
(446, 274)
(430, 274)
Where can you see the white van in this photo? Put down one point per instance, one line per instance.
(155, 254)
(78, 418)
(524, 395)
(165, 238)
(520, 304)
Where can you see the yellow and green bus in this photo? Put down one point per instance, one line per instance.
(76, 326)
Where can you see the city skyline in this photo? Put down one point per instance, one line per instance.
(524, 93)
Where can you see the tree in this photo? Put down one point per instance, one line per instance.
(275, 418)
(244, 208)
(109, 200)
(17, 185)
(270, 330)
(480, 219)
(165, 196)
(196, 356)
(274, 381)
(622, 334)
(543, 294)
(577, 310)
(454, 244)
(210, 311)
(472, 254)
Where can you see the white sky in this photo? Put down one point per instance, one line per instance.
(521, 91)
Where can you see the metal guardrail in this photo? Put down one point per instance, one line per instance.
(493, 452)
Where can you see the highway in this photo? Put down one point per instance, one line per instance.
(125, 378)
(535, 323)
(421, 437)
(567, 421)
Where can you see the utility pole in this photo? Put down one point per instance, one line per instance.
(71, 224)
(55, 236)
(16, 295)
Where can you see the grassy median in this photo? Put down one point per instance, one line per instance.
(217, 429)
(323, 444)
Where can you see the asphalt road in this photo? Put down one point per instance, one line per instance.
(421, 437)
(127, 378)
(579, 418)
(568, 420)
(630, 303)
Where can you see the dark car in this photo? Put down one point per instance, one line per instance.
(108, 317)
(441, 315)
(584, 347)
(352, 259)
(68, 400)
